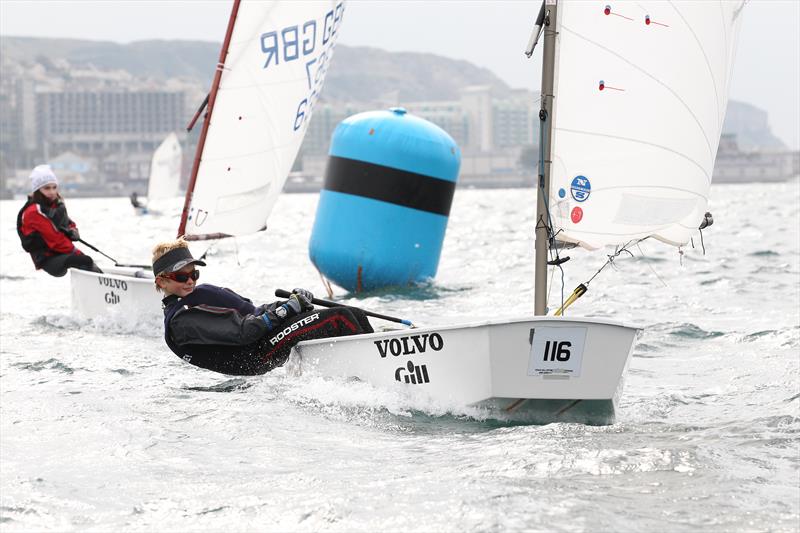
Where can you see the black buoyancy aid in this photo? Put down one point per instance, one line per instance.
(245, 360)
(205, 295)
(266, 353)
(34, 243)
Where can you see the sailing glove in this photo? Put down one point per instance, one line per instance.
(298, 302)
(71, 233)
(304, 297)
(292, 306)
(275, 314)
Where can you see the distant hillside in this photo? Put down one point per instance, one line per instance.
(363, 74)
(360, 74)
(149, 59)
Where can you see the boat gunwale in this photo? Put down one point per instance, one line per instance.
(568, 321)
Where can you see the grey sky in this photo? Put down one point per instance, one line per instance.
(489, 34)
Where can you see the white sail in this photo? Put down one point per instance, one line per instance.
(640, 90)
(273, 73)
(165, 170)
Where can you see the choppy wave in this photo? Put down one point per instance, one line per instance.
(415, 292)
(231, 385)
(111, 324)
(53, 365)
(103, 428)
(13, 278)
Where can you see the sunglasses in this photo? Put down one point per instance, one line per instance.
(182, 277)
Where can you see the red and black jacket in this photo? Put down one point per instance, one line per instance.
(42, 230)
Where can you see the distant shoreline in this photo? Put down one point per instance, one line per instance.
(315, 187)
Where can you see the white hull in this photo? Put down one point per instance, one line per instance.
(492, 365)
(117, 290)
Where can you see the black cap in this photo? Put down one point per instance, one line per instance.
(175, 260)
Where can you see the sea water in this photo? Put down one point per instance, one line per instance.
(102, 428)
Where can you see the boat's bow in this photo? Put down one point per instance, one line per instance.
(130, 290)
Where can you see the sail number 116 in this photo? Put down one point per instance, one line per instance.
(556, 350)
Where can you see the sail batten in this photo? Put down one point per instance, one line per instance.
(639, 105)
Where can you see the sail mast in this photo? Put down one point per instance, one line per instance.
(211, 98)
(543, 189)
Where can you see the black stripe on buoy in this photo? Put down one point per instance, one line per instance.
(391, 185)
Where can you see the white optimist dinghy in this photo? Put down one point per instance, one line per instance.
(118, 289)
(130, 289)
(543, 370)
(634, 96)
(270, 73)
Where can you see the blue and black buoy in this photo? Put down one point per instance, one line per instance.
(385, 202)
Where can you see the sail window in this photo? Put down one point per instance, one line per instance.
(639, 210)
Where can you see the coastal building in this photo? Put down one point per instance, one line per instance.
(108, 118)
(734, 165)
(491, 131)
(52, 111)
(112, 121)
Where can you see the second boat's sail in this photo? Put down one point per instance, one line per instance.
(165, 170)
(272, 72)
